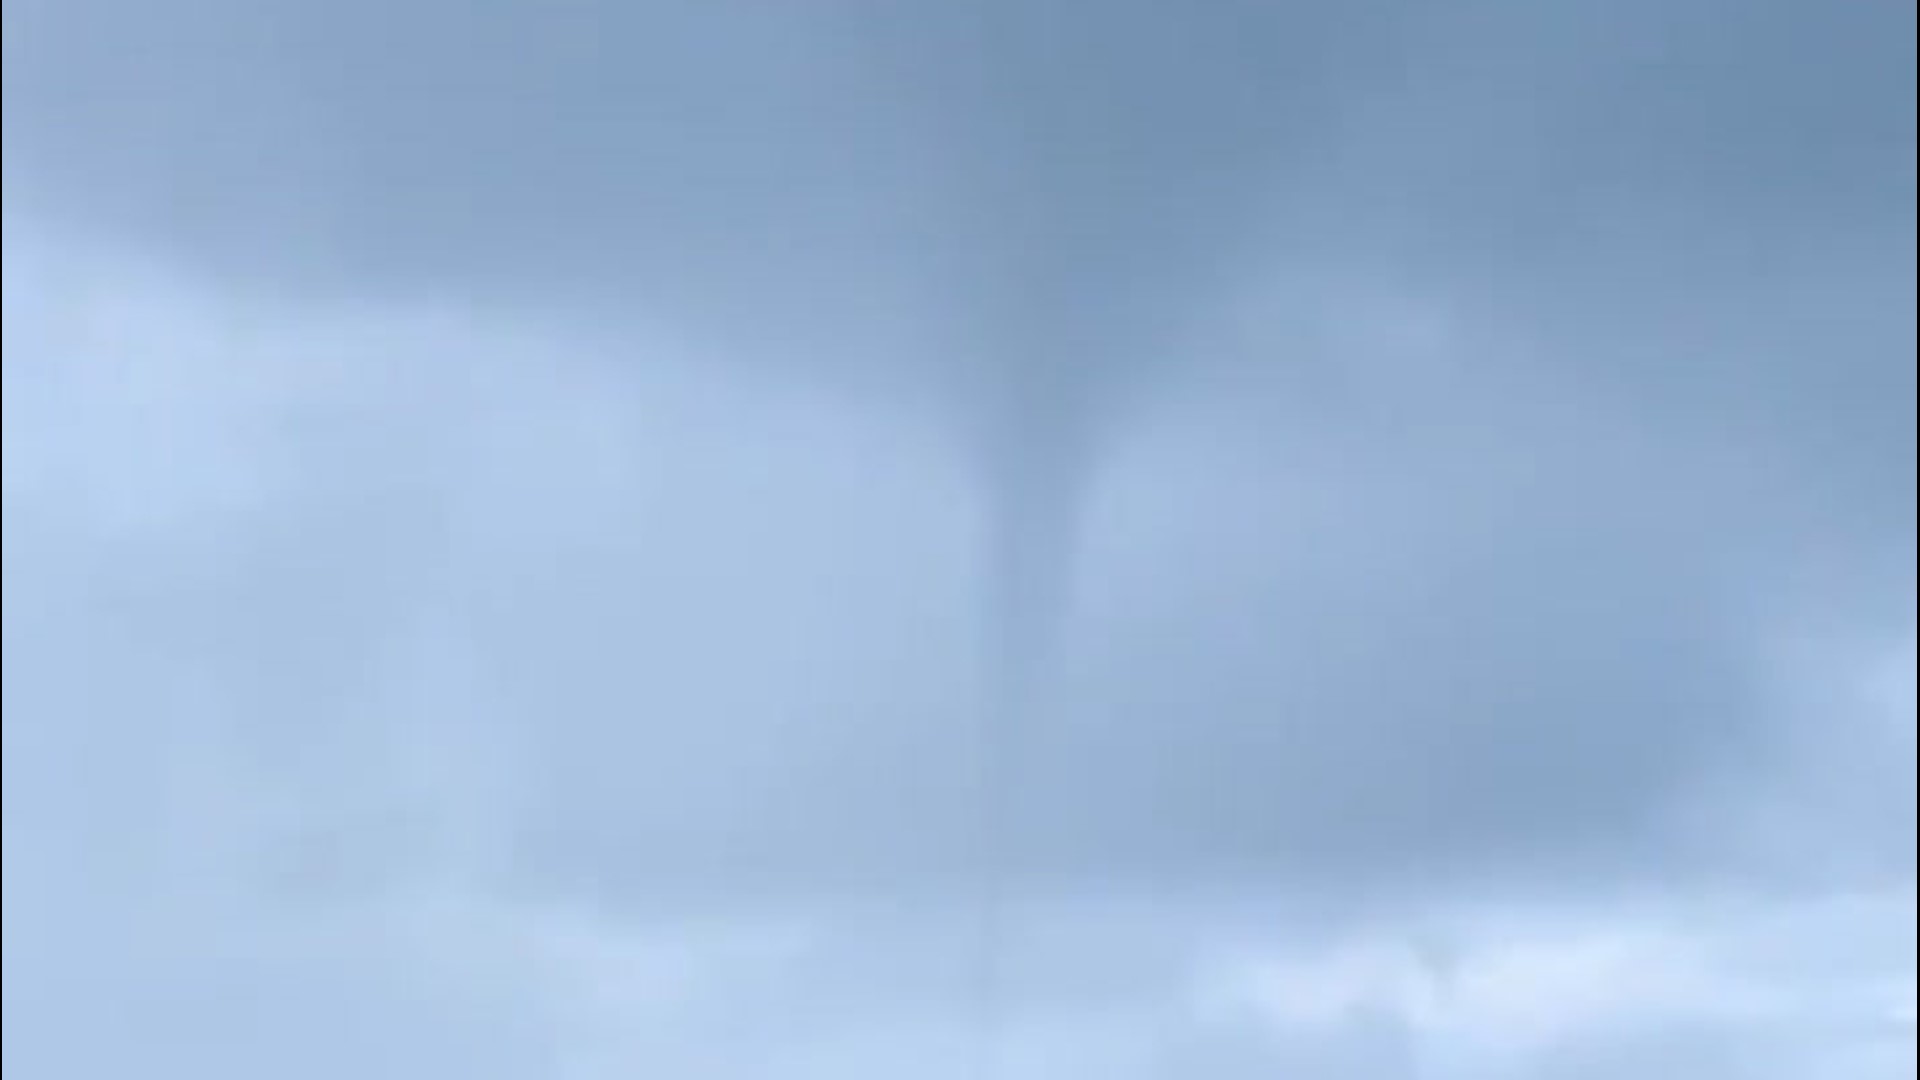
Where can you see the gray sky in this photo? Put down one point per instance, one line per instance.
(495, 536)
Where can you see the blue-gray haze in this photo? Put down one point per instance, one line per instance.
(515, 513)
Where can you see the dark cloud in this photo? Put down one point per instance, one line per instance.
(998, 182)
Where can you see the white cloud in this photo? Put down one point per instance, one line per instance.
(1514, 990)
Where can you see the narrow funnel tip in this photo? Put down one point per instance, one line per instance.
(1034, 507)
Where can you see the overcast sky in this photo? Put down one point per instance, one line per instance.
(500, 499)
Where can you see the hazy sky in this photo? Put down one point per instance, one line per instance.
(494, 536)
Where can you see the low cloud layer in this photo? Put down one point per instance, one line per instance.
(449, 707)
